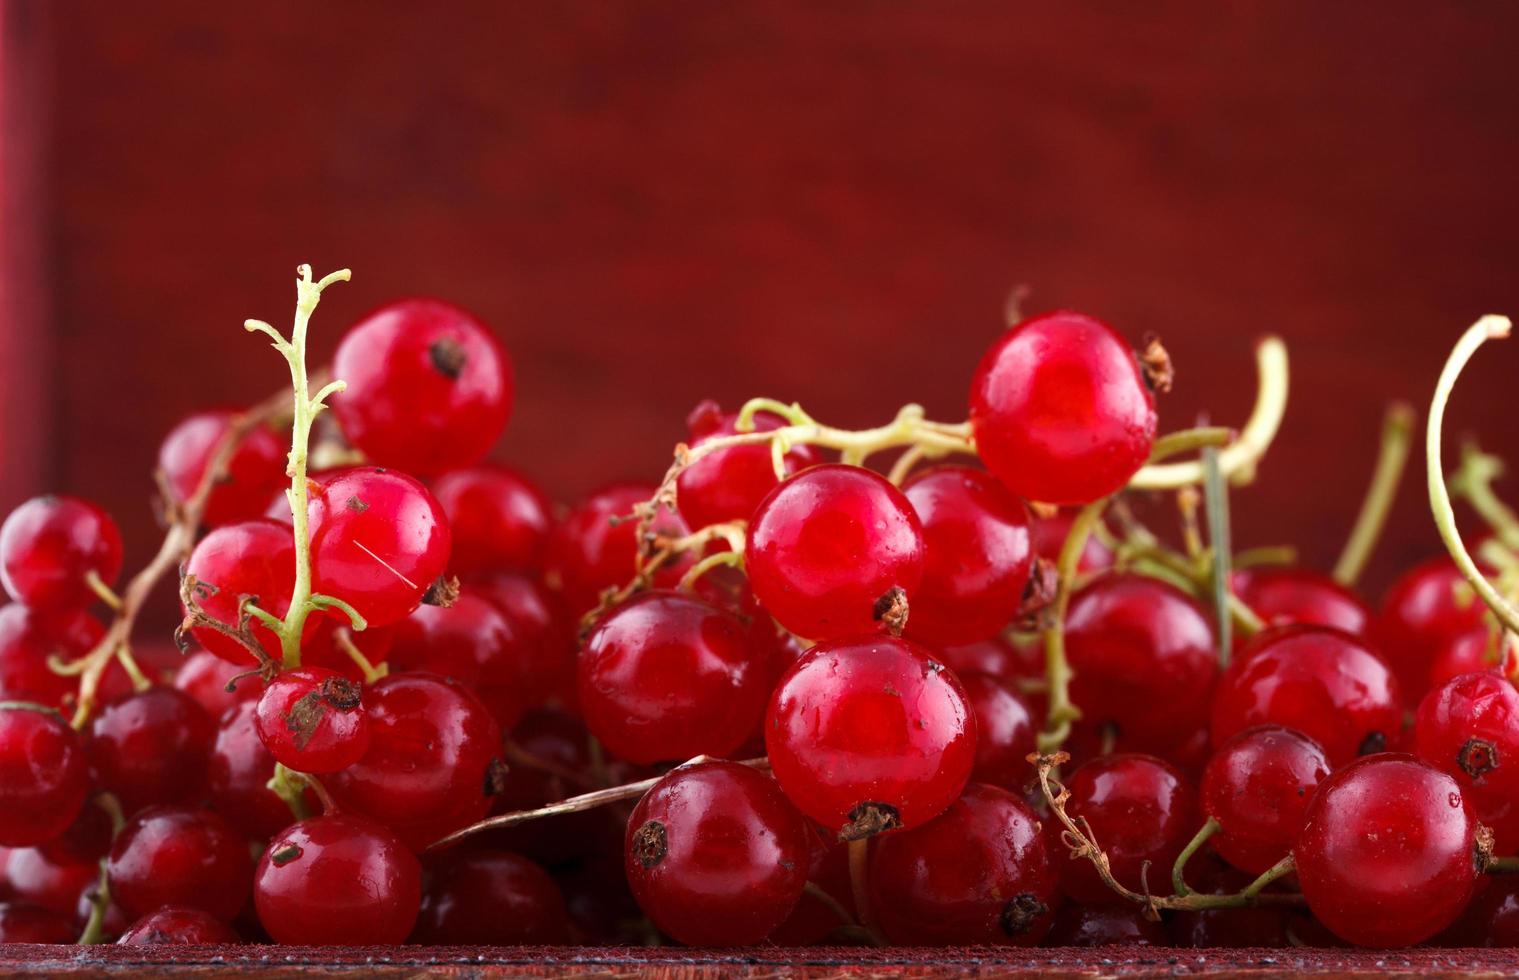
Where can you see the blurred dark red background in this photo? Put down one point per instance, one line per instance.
(656, 202)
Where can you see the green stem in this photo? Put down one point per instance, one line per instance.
(1474, 482)
(1487, 328)
(1503, 865)
(290, 786)
(104, 592)
(1187, 440)
(1178, 870)
(1057, 669)
(1392, 458)
(1280, 869)
(1217, 494)
(1279, 554)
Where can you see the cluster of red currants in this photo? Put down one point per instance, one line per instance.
(427, 707)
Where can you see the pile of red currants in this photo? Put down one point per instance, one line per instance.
(1000, 681)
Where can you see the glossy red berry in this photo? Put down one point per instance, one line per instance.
(1284, 596)
(979, 873)
(313, 720)
(53, 883)
(1145, 659)
(255, 473)
(1257, 786)
(206, 678)
(1086, 926)
(337, 881)
(1470, 652)
(500, 520)
(178, 926)
(814, 919)
(50, 545)
(378, 542)
(44, 776)
(997, 656)
(729, 484)
(666, 676)
(1491, 918)
(832, 550)
(429, 387)
(238, 774)
(151, 747)
(540, 625)
(23, 922)
(1060, 409)
(716, 856)
(1140, 810)
(1469, 728)
(596, 546)
(1328, 685)
(1005, 731)
(560, 740)
(1389, 854)
(431, 761)
(472, 642)
(28, 639)
(1427, 607)
(180, 856)
(254, 559)
(977, 552)
(88, 838)
(490, 898)
(1050, 533)
(870, 734)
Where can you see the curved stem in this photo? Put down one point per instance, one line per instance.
(1392, 458)
(859, 874)
(830, 903)
(1057, 670)
(1179, 869)
(1474, 482)
(104, 592)
(1280, 869)
(1487, 328)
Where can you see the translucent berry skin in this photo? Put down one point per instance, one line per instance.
(595, 547)
(23, 922)
(997, 656)
(979, 873)
(183, 857)
(255, 474)
(178, 926)
(827, 548)
(1060, 410)
(1006, 731)
(1257, 786)
(541, 629)
(238, 774)
(313, 720)
(205, 676)
(1141, 809)
(337, 881)
(250, 558)
(500, 520)
(870, 726)
(29, 638)
(49, 545)
(53, 883)
(730, 483)
(490, 898)
(667, 676)
(431, 749)
(1086, 926)
(1049, 535)
(1469, 728)
(1284, 596)
(1144, 657)
(715, 855)
(1472, 651)
(472, 642)
(151, 747)
(44, 776)
(1427, 607)
(429, 387)
(977, 551)
(1328, 685)
(1388, 855)
(378, 542)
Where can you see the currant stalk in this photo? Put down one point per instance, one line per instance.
(1392, 457)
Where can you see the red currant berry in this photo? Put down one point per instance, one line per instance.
(1049, 538)
(429, 387)
(28, 639)
(255, 473)
(337, 881)
(490, 898)
(151, 748)
(1491, 919)
(1328, 685)
(1257, 786)
(378, 542)
(1389, 854)
(183, 857)
(254, 560)
(814, 920)
(44, 776)
(216, 684)
(561, 742)
(976, 555)
(666, 676)
(1426, 608)
(541, 627)
(313, 720)
(870, 734)
(238, 775)
(1470, 652)
(472, 642)
(178, 926)
(1284, 596)
(1261, 927)
(56, 885)
(500, 521)
(88, 838)
(833, 550)
(1060, 409)
(595, 548)
(1005, 731)
(1104, 925)
(48, 548)
(730, 483)
(22, 922)
(997, 656)
(978, 873)
(716, 856)
(1141, 811)
(1469, 728)
(431, 759)
(1144, 658)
